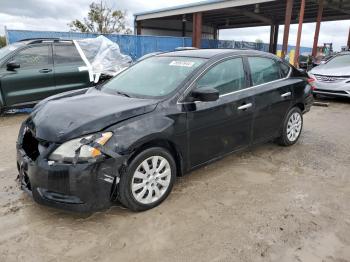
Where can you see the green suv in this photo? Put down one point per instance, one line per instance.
(31, 70)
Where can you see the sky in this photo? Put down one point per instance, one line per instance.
(56, 14)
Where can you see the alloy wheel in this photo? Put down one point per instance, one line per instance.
(151, 179)
(294, 126)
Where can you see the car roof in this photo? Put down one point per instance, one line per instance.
(30, 41)
(210, 53)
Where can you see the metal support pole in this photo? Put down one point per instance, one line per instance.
(138, 28)
(197, 30)
(349, 40)
(273, 38)
(272, 33)
(194, 21)
(288, 18)
(318, 26)
(183, 29)
(184, 25)
(274, 51)
(215, 36)
(300, 29)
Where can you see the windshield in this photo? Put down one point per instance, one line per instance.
(153, 77)
(340, 60)
(9, 48)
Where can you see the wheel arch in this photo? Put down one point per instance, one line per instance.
(163, 143)
(301, 106)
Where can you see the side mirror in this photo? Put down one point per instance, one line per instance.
(205, 94)
(12, 66)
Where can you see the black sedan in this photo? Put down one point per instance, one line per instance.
(128, 139)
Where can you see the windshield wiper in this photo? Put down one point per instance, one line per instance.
(122, 93)
(98, 87)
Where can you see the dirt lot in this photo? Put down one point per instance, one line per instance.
(268, 204)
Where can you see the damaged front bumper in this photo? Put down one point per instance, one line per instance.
(81, 187)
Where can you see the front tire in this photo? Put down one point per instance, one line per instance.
(292, 127)
(148, 179)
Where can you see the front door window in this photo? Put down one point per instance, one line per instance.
(36, 56)
(226, 77)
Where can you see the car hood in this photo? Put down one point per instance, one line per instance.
(331, 71)
(75, 114)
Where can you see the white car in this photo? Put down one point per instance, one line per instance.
(333, 77)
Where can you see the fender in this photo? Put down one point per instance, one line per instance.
(133, 134)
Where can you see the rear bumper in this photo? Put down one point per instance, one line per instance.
(308, 102)
(81, 187)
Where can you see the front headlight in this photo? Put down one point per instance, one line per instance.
(79, 150)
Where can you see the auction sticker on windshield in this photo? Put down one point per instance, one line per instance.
(182, 63)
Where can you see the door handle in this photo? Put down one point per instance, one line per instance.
(286, 94)
(246, 106)
(46, 70)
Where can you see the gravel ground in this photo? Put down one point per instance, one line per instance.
(267, 204)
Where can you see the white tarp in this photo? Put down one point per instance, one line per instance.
(101, 56)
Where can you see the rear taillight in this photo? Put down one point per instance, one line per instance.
(311, 82)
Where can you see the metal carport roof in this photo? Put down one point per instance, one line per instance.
(243, 13)
(213, 15)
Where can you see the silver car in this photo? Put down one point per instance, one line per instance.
(333, 77)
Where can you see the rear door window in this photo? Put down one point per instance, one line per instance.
(67, 54)
(226, 77)
(263, 70)
(35, 56)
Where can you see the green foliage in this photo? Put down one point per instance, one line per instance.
(101, 19)
(2, 41)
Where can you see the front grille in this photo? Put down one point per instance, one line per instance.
(332, 91)
(331, 79)
(58, 180)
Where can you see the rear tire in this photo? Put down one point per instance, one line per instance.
(292, 127)
(147, 180)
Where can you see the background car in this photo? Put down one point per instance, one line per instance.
(333, 77)
(32, 70)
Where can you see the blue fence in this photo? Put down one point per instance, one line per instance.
(137, 46)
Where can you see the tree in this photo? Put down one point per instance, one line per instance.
(2, 41)
(101, 19)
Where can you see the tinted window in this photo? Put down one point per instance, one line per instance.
(263, 70)
(225, 77)
(153, 77)
(35, 56)
(284, 69)
(67, 54)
